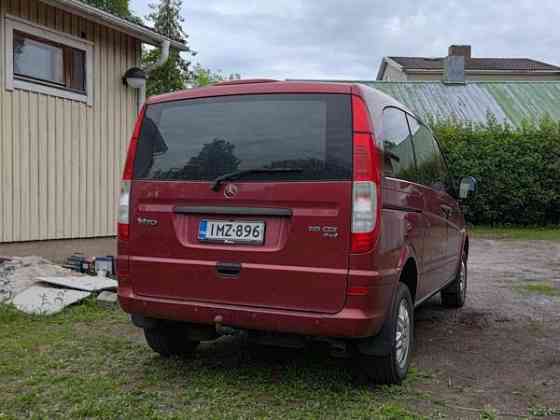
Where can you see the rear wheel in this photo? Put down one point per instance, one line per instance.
(454, 295)
(170, 341)
(392, 368)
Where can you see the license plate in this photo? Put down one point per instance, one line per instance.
(231, 232)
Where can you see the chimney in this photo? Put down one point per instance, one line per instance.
(460, 50)
(454, 64)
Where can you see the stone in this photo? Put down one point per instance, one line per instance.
(107, 298)
(19, 273)
(85, 283)
(45, 300)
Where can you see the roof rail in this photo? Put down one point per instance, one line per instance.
(244, 82)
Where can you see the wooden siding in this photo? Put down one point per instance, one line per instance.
(61, 160)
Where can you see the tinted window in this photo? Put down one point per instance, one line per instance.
(431, 169)
(398, 155)
(45, 61)
(201, 139)
(374, 100)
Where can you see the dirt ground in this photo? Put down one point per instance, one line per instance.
(502, 350)
(499, 355)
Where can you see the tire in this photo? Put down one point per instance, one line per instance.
(170, 341)
(392, 368)
(454, 295)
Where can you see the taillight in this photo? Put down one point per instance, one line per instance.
(366, 178)
(124, 198)
(124, 211)
(133, 145)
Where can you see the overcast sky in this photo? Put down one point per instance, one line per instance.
(346, 39)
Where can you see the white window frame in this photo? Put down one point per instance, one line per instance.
(21, 25)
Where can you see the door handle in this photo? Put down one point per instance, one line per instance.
(228, 269)
(447, 210)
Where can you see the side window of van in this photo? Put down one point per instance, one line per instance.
(431, 168)
(398, 155)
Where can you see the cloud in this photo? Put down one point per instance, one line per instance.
(346, 39)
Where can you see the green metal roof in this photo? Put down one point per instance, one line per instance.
(510, 102)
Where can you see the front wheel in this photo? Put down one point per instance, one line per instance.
(392, 368)
(454, 295)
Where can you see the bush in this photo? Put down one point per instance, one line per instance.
(518, 169)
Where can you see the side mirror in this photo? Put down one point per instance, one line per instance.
(467, 187)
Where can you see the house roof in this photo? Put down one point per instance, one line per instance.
(123, 24)
(485, 64)
(510, 102)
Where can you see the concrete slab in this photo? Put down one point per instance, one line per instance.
(19, 273)
(45, 300)
(85, 283)
(107, 299)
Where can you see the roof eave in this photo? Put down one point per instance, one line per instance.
(108, 19)
(387, 61)
(381, 70)
(485, 71)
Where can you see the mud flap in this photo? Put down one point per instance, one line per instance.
(380, 344)
(141, 321)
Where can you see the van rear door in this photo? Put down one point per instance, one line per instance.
(275, 232)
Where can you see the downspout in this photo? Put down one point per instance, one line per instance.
(163, 57)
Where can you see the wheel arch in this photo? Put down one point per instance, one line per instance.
(409, 276)
(408, 272)
(381, 344)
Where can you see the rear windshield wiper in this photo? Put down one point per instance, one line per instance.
(238, 174)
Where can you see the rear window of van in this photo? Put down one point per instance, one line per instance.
(202, 139)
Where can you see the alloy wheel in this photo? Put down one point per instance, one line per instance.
(402, 335)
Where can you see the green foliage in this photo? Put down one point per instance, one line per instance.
(203, 76)
(518, 169)
(544, 411)
(522, 233)
(175, 73)
(118, 7)
(543, 288)
(170, 77)
(488, 413)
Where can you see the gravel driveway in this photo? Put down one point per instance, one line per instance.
(502, 350)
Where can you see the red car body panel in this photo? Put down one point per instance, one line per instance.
(296, 282)
(252, 89)
(269, 272)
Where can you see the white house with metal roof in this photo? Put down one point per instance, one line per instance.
(66, 116)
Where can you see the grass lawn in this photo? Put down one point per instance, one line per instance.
(89, 362)
(519, 233)
(538, 288)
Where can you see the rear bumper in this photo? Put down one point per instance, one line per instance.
(362, 316)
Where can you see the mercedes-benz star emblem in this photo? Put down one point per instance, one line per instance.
(230, 190)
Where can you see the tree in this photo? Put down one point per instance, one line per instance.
(118, 7)
(175, 73)
(203, 76)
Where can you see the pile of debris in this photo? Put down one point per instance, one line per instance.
(37, 286)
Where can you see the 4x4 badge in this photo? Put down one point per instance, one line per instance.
(327, 231)
(230, 190)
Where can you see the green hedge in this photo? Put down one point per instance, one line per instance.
(518, 169)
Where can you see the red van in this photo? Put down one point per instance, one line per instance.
(289, 211)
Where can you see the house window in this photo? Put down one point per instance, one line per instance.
(48, 62)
